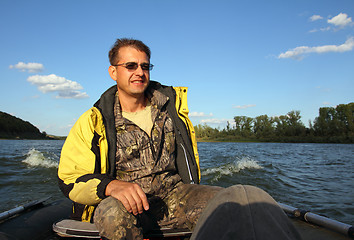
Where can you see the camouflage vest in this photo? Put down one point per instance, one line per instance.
(147, 161)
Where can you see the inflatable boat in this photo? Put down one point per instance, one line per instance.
(49, 220)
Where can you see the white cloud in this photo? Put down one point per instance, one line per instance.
(341, 20)
(244, 106)
(338, 22)
(216, 121)
(52, 83)
(30, 67)
(199, 114)
(315, 18)
(299, 52)
(324, 29)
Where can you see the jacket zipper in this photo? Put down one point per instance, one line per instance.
(189, 170)
(184, 150)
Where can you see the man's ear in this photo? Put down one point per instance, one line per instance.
(112, 72)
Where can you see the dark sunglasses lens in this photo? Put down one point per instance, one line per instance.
(145, 66)
(131, 66)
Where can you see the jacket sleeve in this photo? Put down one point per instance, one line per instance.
(83, 160)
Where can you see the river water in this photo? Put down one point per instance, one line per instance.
(316, 177)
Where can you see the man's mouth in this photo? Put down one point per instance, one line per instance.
(137, 81)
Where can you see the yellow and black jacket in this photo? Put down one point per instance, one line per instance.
(87, 162)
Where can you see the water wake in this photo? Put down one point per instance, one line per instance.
(230, 168)
(37, 159)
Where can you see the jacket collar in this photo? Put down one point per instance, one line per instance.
(156, 98)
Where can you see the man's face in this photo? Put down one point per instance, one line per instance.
(130, 82)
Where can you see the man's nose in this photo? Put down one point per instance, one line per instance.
(139, 71)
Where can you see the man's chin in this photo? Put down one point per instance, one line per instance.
(137, 91)
(139, 88)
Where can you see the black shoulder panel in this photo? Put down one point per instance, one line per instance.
(185, 160)
(106, 106)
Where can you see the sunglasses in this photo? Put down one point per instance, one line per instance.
(134, 66)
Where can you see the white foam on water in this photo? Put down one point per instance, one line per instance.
(231, 168)
(36, 159)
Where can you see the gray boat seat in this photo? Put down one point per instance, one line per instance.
(72, 228)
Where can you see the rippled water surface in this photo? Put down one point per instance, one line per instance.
(318, 177)
(28, 171)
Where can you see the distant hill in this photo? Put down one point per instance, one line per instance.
(15, 128)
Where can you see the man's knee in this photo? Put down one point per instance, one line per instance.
(192, 199)
(114, 221)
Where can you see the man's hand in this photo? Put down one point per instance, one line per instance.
(130, 194)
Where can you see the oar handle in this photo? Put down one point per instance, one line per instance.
(7, 214)
(322, 221)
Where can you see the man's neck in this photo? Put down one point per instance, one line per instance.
(130, 103)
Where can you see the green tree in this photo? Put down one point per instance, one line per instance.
(324, 123)
(295, 126)
(206, 132)
(243, 126)
(281, 123)
(246, 130)
(263, 127)
(335, 124)
(238, 124)
(345, 118)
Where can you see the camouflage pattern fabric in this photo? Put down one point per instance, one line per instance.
(181, 208)
(147, 161)
(114, 221)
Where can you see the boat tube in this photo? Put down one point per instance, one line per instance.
(41, 220)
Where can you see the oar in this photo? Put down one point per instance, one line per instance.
(16, 210)
(322, 221)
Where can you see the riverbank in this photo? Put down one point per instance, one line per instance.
(294, 139)
(47, 137)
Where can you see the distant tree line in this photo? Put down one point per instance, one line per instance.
(15, 128)
(333, 125)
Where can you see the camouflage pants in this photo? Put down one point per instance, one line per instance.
(180, 209)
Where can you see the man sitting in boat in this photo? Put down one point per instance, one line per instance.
(130, 163)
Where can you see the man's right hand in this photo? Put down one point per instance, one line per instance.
(130, 194)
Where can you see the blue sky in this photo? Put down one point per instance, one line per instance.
(238, 58)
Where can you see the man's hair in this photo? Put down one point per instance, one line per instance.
(126, 42)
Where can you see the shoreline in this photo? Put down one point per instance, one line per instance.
(47, 138)
(270, 141)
